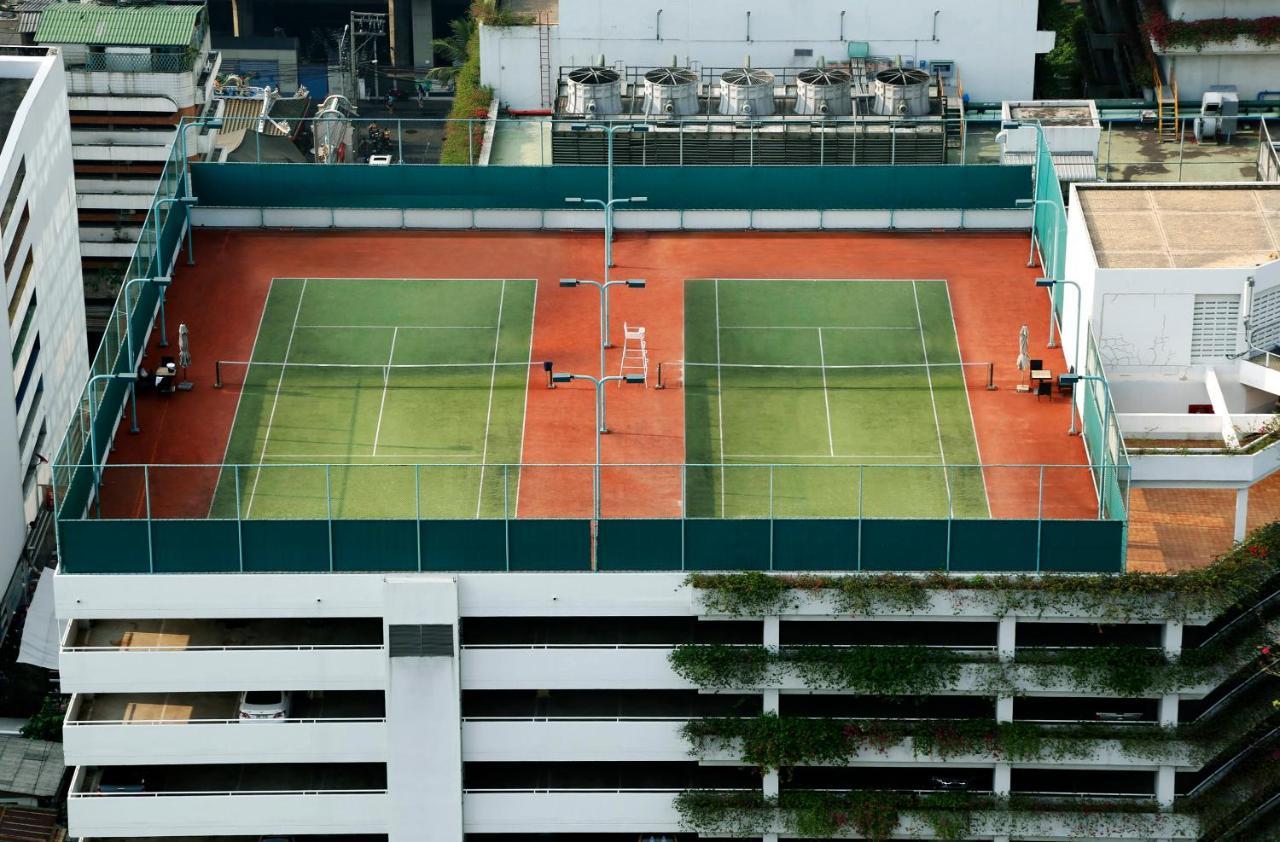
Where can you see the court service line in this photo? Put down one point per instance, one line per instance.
(446, 460)
(275, 402)
(826, 395)
(720, 402)
(968, 401)
(395, 327)
(528, 386)
(933, 400)
(386, 379)
(493, 379)
(819, 327)
(834, 456)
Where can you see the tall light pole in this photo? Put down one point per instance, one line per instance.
(631, 283)
(163, 283)
(1072, 379)
(93, 427)
(1031, 260)
(607, 207)
(187, 202)
(601, 429)
(1049, 284)
(610, 131)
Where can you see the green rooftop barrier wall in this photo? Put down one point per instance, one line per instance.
(968, 187)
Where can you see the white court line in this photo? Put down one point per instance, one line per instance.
(811, 327)
(276, 401)
(493, 379)
(826, 396)
(449, 456)
(235, 478)
(395, 327)
(968, 401)
(386, 379)
(528, 386)
(835, 456)
(937, 426)
(720, 401)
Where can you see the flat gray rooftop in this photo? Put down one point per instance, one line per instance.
(1180, 227)
(11, 93)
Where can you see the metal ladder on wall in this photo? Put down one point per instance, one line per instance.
(544, 59)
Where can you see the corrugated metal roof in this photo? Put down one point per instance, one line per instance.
(1070, 166)
(124, 26)
(30, 767)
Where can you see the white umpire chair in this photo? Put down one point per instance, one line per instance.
(635, 352)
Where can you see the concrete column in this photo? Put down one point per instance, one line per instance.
(1004, 708)
(1168, 710)
(1007, 637)
(1000, 784)
(424, 716)
(1242, 513)
(1171, 639)
(422, 31)
(243, 10)
(1165, 787)
(772, 632)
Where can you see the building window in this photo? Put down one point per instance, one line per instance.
(27, 321)
(27, 373)
(16, 242)
(20, 287)
(12, 198)
(32, 415)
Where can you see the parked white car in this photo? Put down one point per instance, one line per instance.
(265, 705)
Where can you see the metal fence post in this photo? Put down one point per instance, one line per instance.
(771, 517)
(328, 498)
(1182, 138)
(400, 139)
(861, 472)
(146, 491)
(417, 511)
(471, 155)
(506, 519)
(684, 508)
(1039, 518)
(235, 471)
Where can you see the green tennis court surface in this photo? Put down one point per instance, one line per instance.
(854, 390)
(342, 374)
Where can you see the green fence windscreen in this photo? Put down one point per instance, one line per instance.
(667, 188)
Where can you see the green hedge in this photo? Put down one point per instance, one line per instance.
(463, 141)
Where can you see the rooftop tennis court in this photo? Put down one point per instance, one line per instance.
(352, 383)
(856, 386)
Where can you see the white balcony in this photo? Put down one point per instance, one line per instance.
(120, 152)
(178, 87)
(113, 201)
(111, 251)
(228, 813)
(159, 735)
(530, 740)
(114, 670)
(604, 811)
(569, 667)
(123, 137)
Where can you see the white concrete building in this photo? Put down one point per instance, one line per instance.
(1181, 285)
(46, 362)
(1253, 67)
(522, 63)
(132, 73)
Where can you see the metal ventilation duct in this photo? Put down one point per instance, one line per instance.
(670, 91)
(593, 91)
(824, 92)
(901, 92)
(746, 91)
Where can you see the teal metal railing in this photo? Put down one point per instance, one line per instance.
(347, 518)
(132, 316)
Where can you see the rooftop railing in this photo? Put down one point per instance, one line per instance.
(362, 518)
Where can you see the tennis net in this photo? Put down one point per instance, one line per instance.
(346, 375)
(675, 373)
